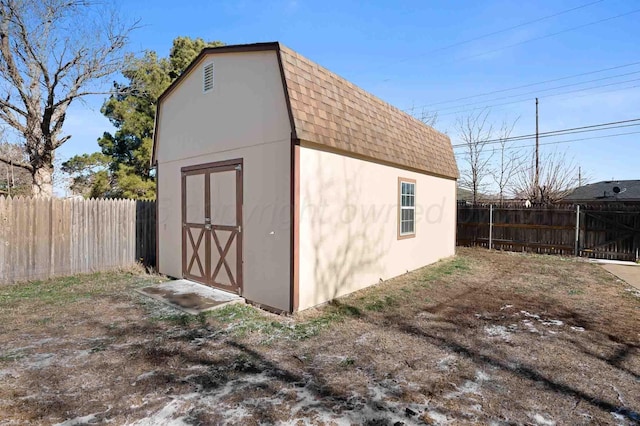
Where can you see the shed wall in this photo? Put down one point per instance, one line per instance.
(349, 224)
(245, 108)
(244, 116)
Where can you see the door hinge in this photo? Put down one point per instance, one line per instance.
(239, 229)
(239, 167)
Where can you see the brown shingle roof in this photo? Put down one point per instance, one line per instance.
(328, 110)
(331, 111)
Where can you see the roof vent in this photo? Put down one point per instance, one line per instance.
(207, 77)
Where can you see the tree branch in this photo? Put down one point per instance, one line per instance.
(7, 55)
(72, 96)
(7, 105)
(20, 164)
(62, 70)
(61, 141)
(37, 61)
(10, 119)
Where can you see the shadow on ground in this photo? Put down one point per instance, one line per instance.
(504, 339)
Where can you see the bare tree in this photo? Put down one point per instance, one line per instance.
(509, 161)
(558, 177)
(13, 180)
(474, 133)
(52, 52)
(430, 118)
(427, 117)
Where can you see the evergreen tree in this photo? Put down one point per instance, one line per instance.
(126, 171)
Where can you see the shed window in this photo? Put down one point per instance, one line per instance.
(207, 77)
(406, 208)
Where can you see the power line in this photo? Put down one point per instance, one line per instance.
(559, 142)
(547, 35)
(562, 132)
(439, 49)
(570, 129)
(577, 131)
(550, 96)
(542, 90)
(550, 136)
(522, 86)
(501, 106)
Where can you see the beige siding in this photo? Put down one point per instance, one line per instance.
(245, 116)
(349, 229)
(246, 108)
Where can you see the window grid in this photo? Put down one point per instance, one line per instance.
(407, 208)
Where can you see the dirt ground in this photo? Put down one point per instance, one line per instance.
(484, 338)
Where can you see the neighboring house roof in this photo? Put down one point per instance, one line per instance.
(627, 190)
(327, 110)
(464, 194)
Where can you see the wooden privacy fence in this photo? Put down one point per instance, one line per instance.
(598, 231)
(146, 233)
(43, 238)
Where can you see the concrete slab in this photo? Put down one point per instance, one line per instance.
(189, 296)
(612, 262)
(628, 273)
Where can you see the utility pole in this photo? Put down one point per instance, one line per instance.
(537, 177)
(579, 176)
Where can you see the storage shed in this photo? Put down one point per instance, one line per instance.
(282, 182)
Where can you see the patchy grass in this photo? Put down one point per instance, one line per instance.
(241, 320)
(458, 265)
(485, 337)
(381, 304)
(59, 291)
(51, 291)
(11, 356)
(347, 362)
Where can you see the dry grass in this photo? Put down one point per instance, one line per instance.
(485, 337)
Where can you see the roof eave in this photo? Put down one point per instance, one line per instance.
(322, 147)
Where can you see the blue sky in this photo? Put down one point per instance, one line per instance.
(415, 53)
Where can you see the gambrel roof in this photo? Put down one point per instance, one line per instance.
(327, 110)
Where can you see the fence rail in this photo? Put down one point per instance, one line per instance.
(44, 238)
(598, 231)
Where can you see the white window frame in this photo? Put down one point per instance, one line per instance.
(204, 76)
(402, 207)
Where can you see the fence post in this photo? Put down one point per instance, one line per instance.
(490, 225)
(577, 242)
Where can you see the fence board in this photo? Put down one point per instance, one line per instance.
(43, 238)
(23, 247)
(604, 231)
(146, 232)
